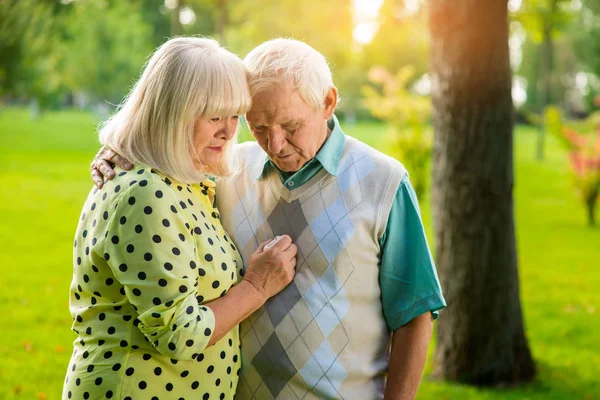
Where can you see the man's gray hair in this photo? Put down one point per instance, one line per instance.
(275, 61)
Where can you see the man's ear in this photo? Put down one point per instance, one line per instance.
(330, 102)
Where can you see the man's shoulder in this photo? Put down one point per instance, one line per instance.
(357, 149)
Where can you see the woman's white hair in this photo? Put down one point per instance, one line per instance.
(185, 79)
(275, 61)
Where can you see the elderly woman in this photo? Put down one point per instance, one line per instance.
(157, 293)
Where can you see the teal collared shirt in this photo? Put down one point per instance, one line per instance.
(408, 278)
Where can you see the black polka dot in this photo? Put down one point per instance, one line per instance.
(111, 330)
(218, 382)
(109, 394)
(207, 332)
(208, 257)
(90, 368)
(142, 385)
(137, 292)
(181, 237)
(172, 346)
(130, 248)
(142, 275)
(162, 282)
(123, 220)
(129, 371)
(183, 289)
(158, 194)
(115, 239)
(157, 371)
(169, 387)
(86, 395)
(156, 239)
(138, 229)
(116, 367)
(123, 343)
(148, 257)
(156, 301)
(173, 209)
(176, 251)
(108, 354)
(105, 215)
(166, 223)
(86, 278)
(131, 200)
(200, 357)
(123, 267)
(222, 355)
(195, 385)
(146, 357)
(117, 188)
(168, 266)
(215, 284)
(235, 358)
(147, 210)
(98, 381)
(201, 272)
(197, 231)
(189, 310)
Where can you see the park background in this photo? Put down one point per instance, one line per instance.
(64, 65)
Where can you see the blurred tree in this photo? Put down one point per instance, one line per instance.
(328, 30)
(585, 33)
(29, 31)
(408, 115)
(401, 40)
(544, 20)
(481, 338)
(105, 49)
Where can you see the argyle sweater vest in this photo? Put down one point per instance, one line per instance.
(324, 336)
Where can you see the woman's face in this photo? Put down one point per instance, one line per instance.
(210, 137)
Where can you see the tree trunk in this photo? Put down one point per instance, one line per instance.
(545, 79)
(176, 27)
(590, 204)
(481, 337)
(222, 19)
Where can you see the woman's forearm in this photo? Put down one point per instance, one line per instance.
(237, 305)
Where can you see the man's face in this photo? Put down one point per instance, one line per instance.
(290, 131)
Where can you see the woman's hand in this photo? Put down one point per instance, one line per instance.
(271, 270)
(103, 164)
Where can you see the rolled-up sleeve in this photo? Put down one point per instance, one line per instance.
(152, 253)
(408, 278)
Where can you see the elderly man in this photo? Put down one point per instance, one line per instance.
(365, 277)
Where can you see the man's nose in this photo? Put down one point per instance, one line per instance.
(276, 140)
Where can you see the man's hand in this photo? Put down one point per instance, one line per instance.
(103, 164)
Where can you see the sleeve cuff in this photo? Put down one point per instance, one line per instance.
(432, 303)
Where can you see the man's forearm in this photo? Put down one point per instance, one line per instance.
(407, 358)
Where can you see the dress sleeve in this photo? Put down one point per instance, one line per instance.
(152, 253)
(408, 278)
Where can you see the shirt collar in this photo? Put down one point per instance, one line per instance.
(328, 156)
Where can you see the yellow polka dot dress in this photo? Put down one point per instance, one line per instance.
(148, 253)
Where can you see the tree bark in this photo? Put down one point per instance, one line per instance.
(481, 337)
(545, 79)
(176, 27)
(590, 205)
(222, 19)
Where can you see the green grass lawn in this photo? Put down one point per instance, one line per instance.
(45, 180)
